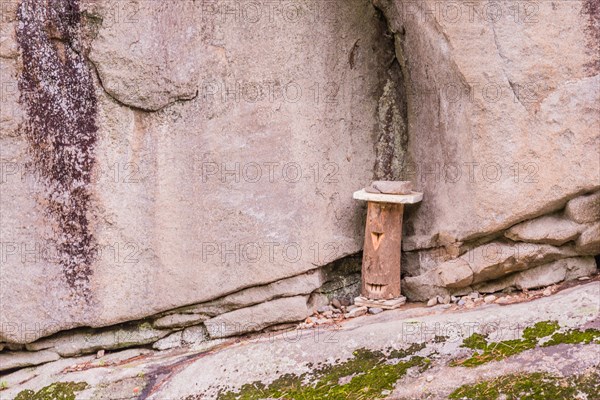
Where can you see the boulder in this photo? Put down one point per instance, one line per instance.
(190, 203)
(549, 229)
(13, 360)
(258, 317)
(589, 241)
(502, 116)
(584, 209)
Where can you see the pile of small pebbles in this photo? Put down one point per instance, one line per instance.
(338, 309)
(467, 301)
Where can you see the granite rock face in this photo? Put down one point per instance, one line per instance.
(503, 113)
(225, 149)
(176, 161)
(503, 124)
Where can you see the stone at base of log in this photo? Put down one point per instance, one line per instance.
(385, 304)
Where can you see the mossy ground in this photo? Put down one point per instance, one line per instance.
(56, 391)
(368, 375)
(494, 351)
(534, 386)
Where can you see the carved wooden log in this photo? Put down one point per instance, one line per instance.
(381, 254)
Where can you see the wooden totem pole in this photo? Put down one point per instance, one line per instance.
(383, 241)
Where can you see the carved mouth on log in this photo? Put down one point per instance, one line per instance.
(375, 288)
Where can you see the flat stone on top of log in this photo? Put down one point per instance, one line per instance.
(390, 187)
(380, 285)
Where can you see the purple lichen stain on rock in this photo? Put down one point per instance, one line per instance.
(57, 91)
(591, 8)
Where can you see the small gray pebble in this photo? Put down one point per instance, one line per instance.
(375, 310)
(336, 303)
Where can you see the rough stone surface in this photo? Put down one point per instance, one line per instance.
(169, 342)
(455, 273)
(356, 312)
(136, 146)
(178, 320)
(73, 344)
(302, 284)
(191, 202)
(10, 360)
(258, 317)
(196, 373)
(549, 229)
(584, 208)
(496, 259)
(485, 266)
(502, 117)
(589, 241)
(543, 275)
(423, 287)
(151, 61)
(194, 335)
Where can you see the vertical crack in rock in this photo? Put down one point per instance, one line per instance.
(57, 91)
(392, 117)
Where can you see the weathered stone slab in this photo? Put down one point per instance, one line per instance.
(296, 285)
(423, 287)
(169, 342)
(390, 187)
(589, 241)
(584, 209)
(73, 344)
(381, 304)
(455, 273)
(412, 198)
(493, 260)
(258, 317)
(179, 320)
(488, 262)
(549, 229)
(543, 275)
(20, 359)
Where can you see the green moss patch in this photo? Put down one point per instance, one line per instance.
(493, 351)
(368, 375)
(56, 391)
(532, 386)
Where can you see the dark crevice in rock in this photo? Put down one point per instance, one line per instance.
(57, 92)
(392, 141)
